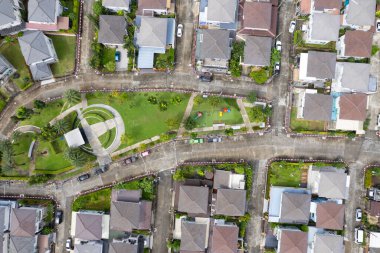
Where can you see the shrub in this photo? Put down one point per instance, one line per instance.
(259, 76)
(39, 179)
(153, 100)
(375, 49)
(163, 105)
(236, 54)
(190, 123)
(252, 97)
(229, 132)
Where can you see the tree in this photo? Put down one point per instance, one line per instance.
(198, 100)
(24, 113)
(9, 39)
(38, 104)
(252, 97)
(259, 76)
(48, 133)
(175, 245)
(163, 105)
(153, 100)
(229, 132)
(257, 114)
(110, 66)
(7, 153)
(190, 123)
(72, 96)
(97, 8)
(61, 126)
(236, 55)
(76, 156)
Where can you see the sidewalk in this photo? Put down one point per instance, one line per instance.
(67, 112)
(244, 115)
(136, 145)
(187, 113)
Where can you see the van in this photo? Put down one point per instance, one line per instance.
(359, 235)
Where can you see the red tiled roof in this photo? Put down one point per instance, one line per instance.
(327, 4)
(358, 43)
(353, 107)
(374, 208)
(330, 215)
(293, 242)
(62, 24)
(305, 6)
(259, 19)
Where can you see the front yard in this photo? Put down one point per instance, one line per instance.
(300, 125)
(65, 49)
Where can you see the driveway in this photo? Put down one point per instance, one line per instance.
(122, 65)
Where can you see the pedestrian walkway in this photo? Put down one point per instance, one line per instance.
(28, 129)
(63, 114)
(102, 127)
(244, 115)
(188, 110)
(134, 146)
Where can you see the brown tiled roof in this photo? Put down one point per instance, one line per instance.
(88, 226)
(330, 215)
(193, 236)
(151, 4)
(193, 199)
(374, 208)
(126, 195)
(23, 222)
(358, 43)
(230, 202)
(321, 5)
(293, 242)
(221, 179)
(295, 208)
(224, 239)
(353, 107)
(318, 107)
(259, 19)
(305, 6)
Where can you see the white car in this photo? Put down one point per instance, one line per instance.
(292, 26)
(359, 235)
(359, 214)
(278, 45)
(68, 244)
(179, 30)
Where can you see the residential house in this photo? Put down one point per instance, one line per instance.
(122, 247)
(6, 207)
(374, 208)
(213, 50)
(257, 51)
(194, 235)
(360, 14)
(354, 77)
(88, 247)
(38, 51)
(129, 212)
(224, 237)
(259, 18)
(291, 240)
(374, 241)
(326, 242)
(193, 200)
(289, 205)
(153, 36)
(153, 7)
(328, 182)
(351, 112)
(314, 106)
(327, 214)
(323, 28)
(6, 69)
(89, 226)
(317, 66)
(44, 15)
(228, 180)
(45, 243)
(112, 30)
(230, 202)
(10, 17)
(357, 44)
(116, 5)
(221, 14)
(307, 7)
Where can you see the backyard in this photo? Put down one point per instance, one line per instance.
(144, 119)
(12, 53)
(305, 125)
(65, 49)
(212, 110)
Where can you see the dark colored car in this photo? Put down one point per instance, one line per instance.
(206, 77)
(83, 177)
(58, 217)
(131, 159)
(101, 169)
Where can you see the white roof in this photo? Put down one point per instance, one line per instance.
(374, 240)
(74, 138)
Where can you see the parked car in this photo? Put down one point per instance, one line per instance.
(359, 214)
(117, 56)
(83, 177)
(58, 217)
(378, 120)
(378, 25)
(131, 159)
(206, 77)
(146, 153)
(101, 169)
(196, 141)
(179, 30)
(278, 45)
(277, 68)
(68, 244)
(359, 235)
(292, 26)
(371, 193)
(214, 139)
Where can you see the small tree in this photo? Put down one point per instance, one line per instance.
(259, 76)
(229, 132)
(38, 104)
(110, 66)
(153, 100)
(190, 123)
(72, 96)
(61, 126)
(142, 147)
(24, 113)
(76, 156)
(163, 105)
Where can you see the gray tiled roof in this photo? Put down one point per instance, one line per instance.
(119, 247)
(43, 11)
(213, 44)
(361, 12)
(318, 107)
(257, 51)
(355, 76)
(295, 208)
(223, 11)
(332, 185)
(116, 3)
(325, 27)
(19, 244)
(4, 65)
(88, 226)
(193, 236)
(35, 47)
(152, 32)
(193, 199)
(7, 14)
(321, 65)
(221, 179)
(41, 71)
(328, 243)
(23, 222)
(90, 247)
(112, 29)
(230, 202)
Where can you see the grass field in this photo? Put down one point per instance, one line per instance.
(65, 49)
(211, 114)
(47, 159)
(108, 55)
(142, 120)
(12, 53)
(21, 149)
(96, 114)
(45, 115)
(285, 174)
(305, 125)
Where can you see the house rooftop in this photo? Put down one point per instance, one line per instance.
(305, 7)
(23, 222)
(223, 11)
(355, 76)
(328, 243)
(193, 199)
(213, 43)
(258, 15)
(358, 43)
(89, 247)
(7, 13)
(257, 51)
(292, 241)
(352, 107)
(321, 5)
(112, 29)
(361, 12)
(224, 238)
(116, 3)
(20, 244)
(193, 236)
(145, 7)
(4, 64)
(41, 71)
(88, 226)
(295, 207)
(374, 208)
(230, 202)
(318, 107)
(325, 27)
(152, 32)
(120, 247)
(42, 11)
(330, 215)
(321, 65)
(35, 47)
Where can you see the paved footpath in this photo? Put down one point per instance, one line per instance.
(244, 114)
(187, 113)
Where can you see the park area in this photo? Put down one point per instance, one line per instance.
(215, 110)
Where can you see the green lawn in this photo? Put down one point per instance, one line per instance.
(96, 114)
(12, 53)
(45, 115)
(48, 160)
(285, 174)
(21, 149)
(3, 103)
(305, 125)
(143, 120)
(108, 55)
(65, 49)
(107, 138)
(212, 114)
